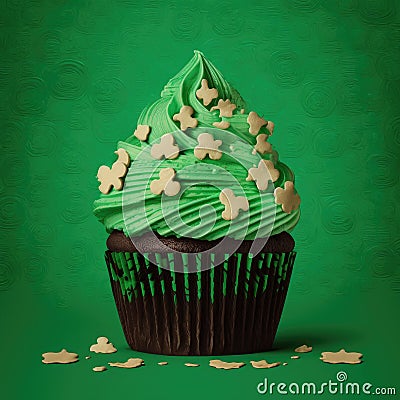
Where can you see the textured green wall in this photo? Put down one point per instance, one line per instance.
(74, 76)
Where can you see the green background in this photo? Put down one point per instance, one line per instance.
(74, 77)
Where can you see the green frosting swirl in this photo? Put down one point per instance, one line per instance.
(196, 211)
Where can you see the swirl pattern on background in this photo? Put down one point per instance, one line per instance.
(103, 128)
(8, 272)
(374, 233)
(388, 213)
(286, 68)
(327, 143)
(395, 284)
(49, 45)
(354, 137)
(328, 187)
(6, 68)
(16, 167)
(351, 96)
(356, 67)
(311, 165)
(361, 49)
(379, 12)
(42, 234)
(36, 194)
(21, 47)
(187, 23)
(307, 235)
(36, 267)
(71, 161)
(380, 260)
(226, 20)
(12, 211)
(390, 91)
(113, 57)
(79, 252)
(80, 117)
(76, 211)
(300, 284)
(42, 140)
(347, 7)
(338, 218)
(388, 66)
(318, 99)
(327, 31)
(296, 139)
(30, 97)
(383, 170)
(376, 40)
(396, 246)
(41, 169)
(70, 80)
(108, 95)
(12, 137)
(134, 36)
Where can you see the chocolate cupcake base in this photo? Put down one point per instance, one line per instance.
(232, 308)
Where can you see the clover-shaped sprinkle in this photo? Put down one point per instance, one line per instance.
(142, 131)
(207, 146)
(103, 346)
(205, 93)
(166, 183)
(225, 365)
(262, 145)
(113, 177)
(265, 172)
(287, 197)
(341, 357)
(232, 204)
(303, 349)
(185, 118)
(264, 364)
(255, 122)
(225, 108)
(166, 148)
(62, 357)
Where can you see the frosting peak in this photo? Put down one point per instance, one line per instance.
(201, 133)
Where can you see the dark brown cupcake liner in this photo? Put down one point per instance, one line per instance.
(232, 308)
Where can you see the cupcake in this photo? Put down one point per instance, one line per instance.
(198, 208)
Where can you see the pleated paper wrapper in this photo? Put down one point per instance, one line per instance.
(232, 308)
